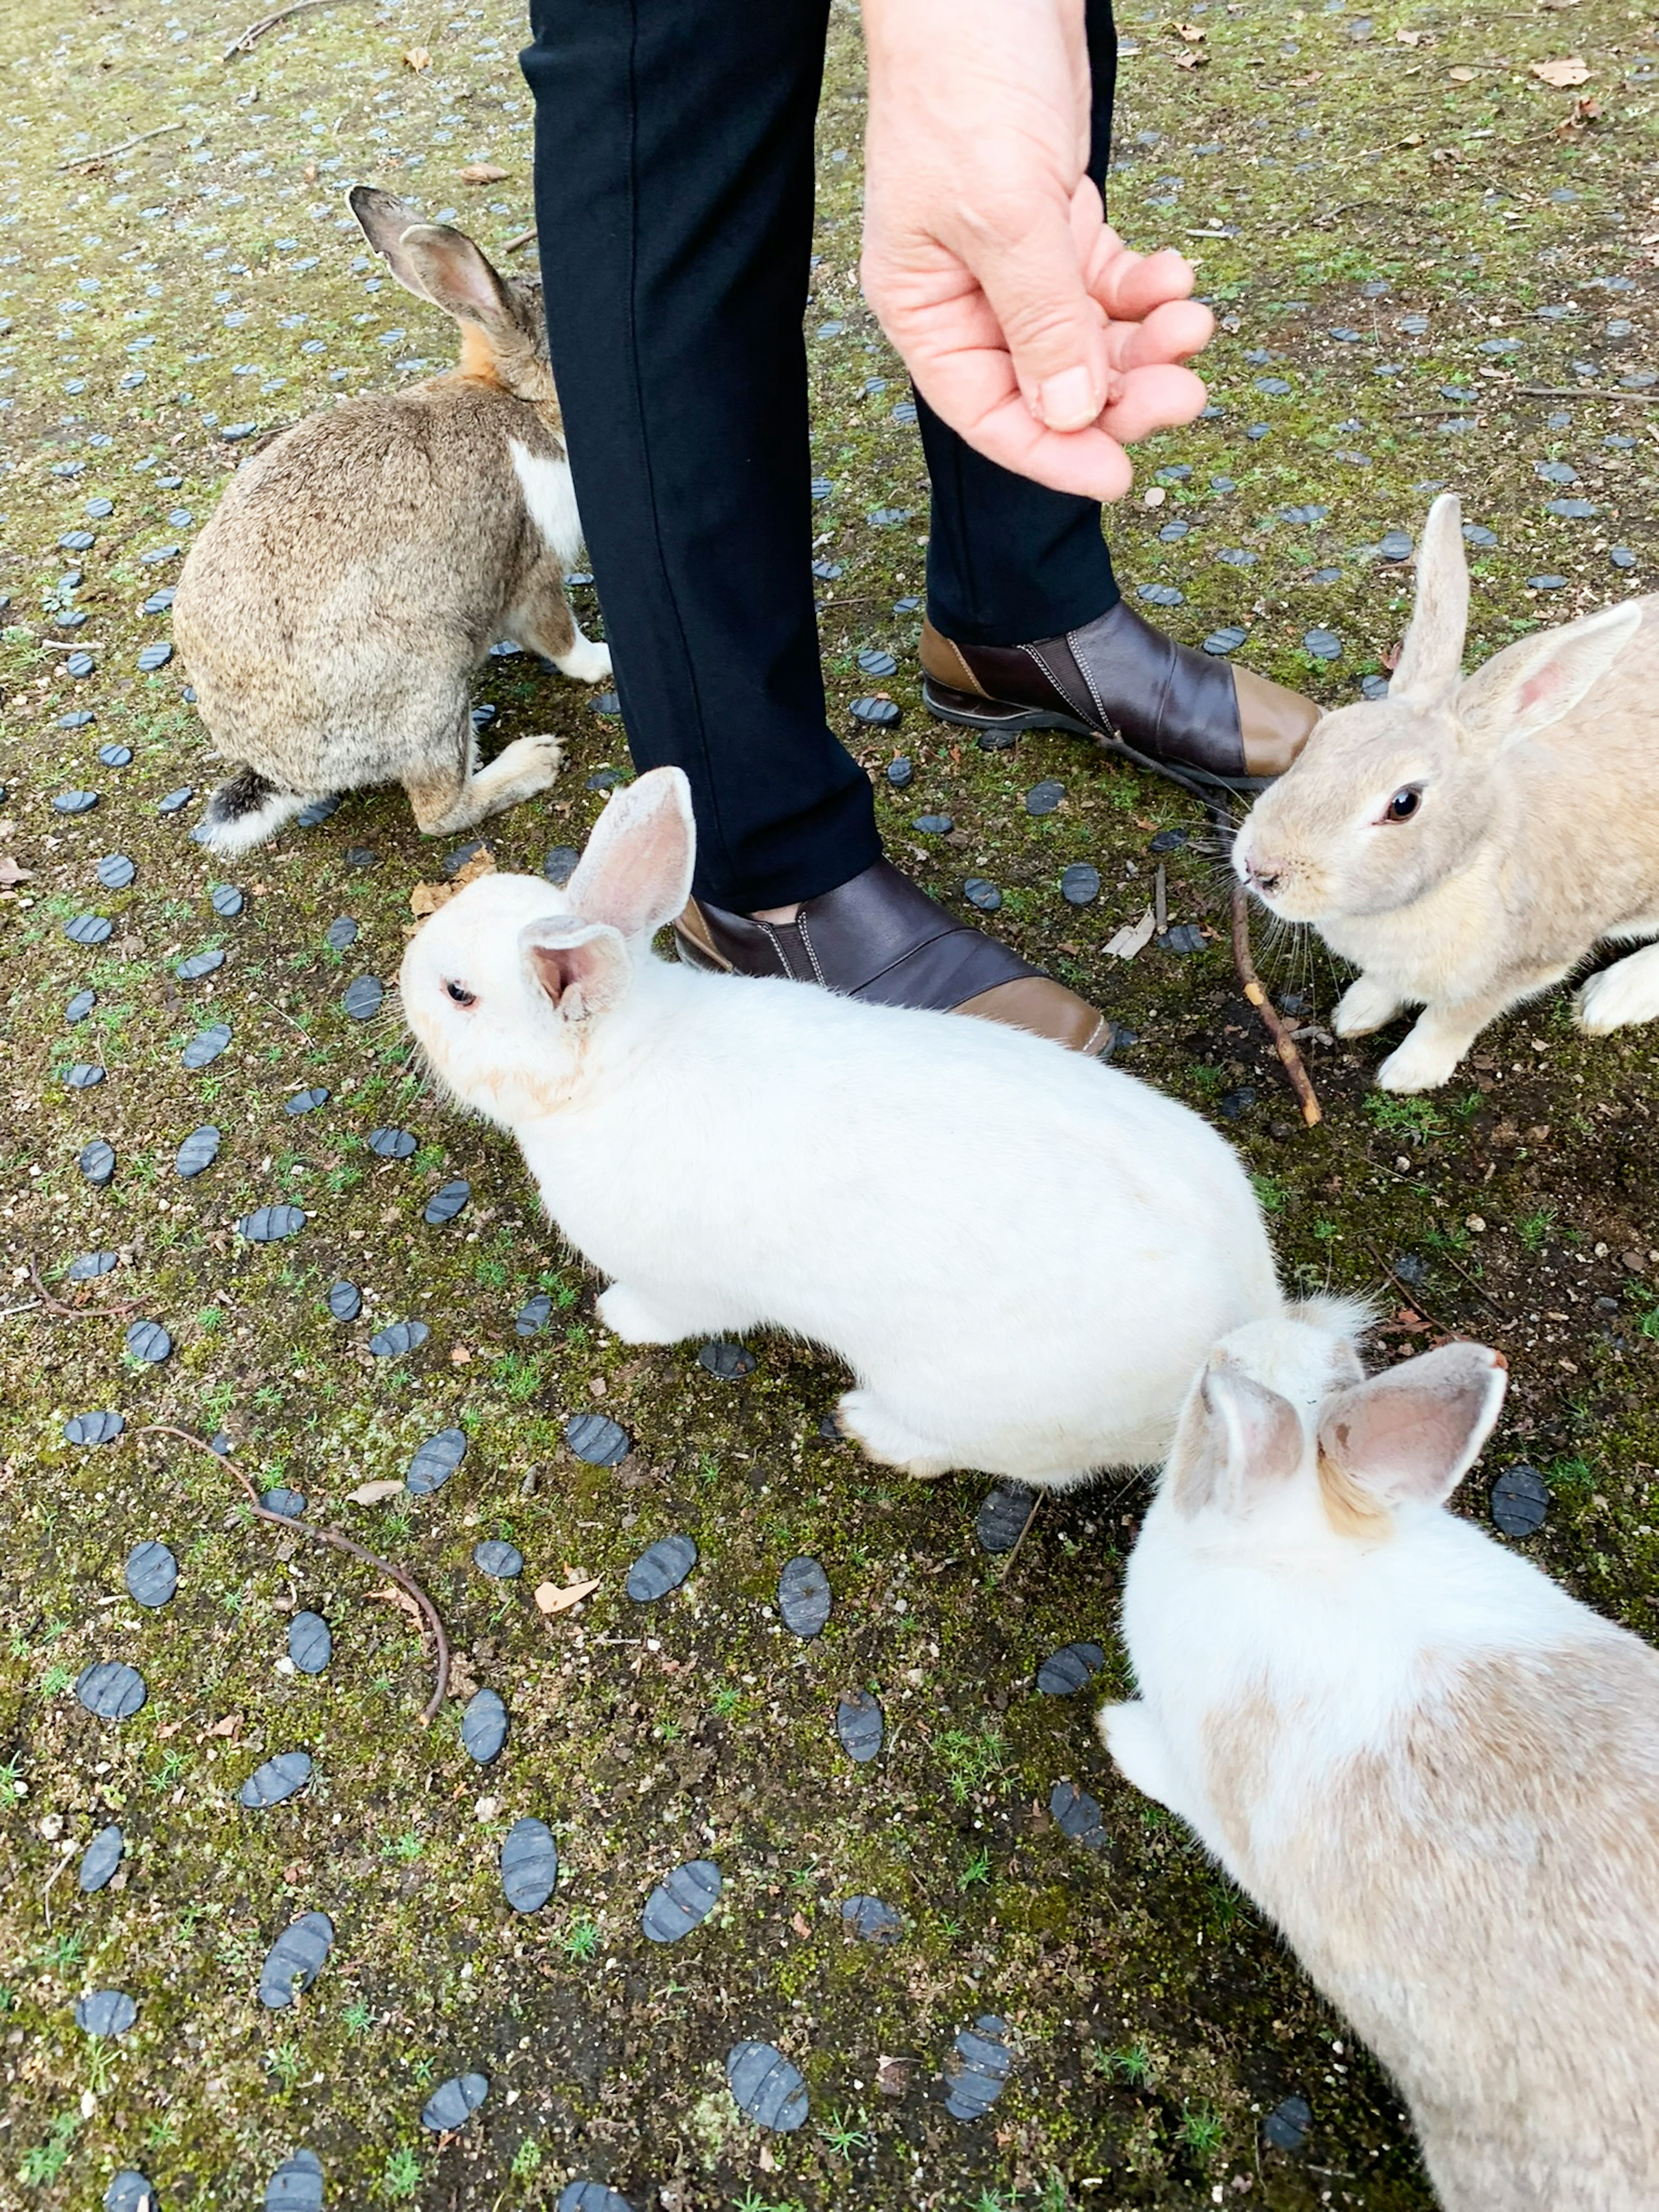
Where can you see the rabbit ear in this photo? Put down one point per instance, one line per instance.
(583, 967)
(636, 872)
(1237, 1439)
(1532, 685)
(1432, 656)
(453, 273)
(385, 220)
(1415, 1431)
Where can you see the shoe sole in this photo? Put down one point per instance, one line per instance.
(1014, 719)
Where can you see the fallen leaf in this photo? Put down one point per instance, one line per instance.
(391, 1594)
(1135, 938)
(373, 1493)
(10, 873)
(169, 1728)
(1408, 37)
(767, 2163)
(559, 1597)
(893, 2076)
(1461, 75)
(1190, 60)
(416, 58)
(801, 1924)
(427, 899)
(1568, 69)
(1194, 34)
(309, 173)
(481, 173)
(227, 1727)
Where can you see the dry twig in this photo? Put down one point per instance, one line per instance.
(339, 1543)
(246, 44)
(1411, 1296)
(109, 152)
(522, 239)
(111, 1307)
(1255, 992)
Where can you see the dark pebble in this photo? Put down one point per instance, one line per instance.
(1077, 1814)
(80, 1007)
(88, 929)
(197, 1152)
(227, 901)
(434, 1461)
(681, 1901)
(1571, 510)
(1621, 556)
(402, 1336)
(317, 812)
(176, 801)
(530, 1865)
(1287, 2126)
(533, 1314)
(115, 872)
(87, 1266)
(1547, 583)
(1222, 641)
(392, 1144)
(1160, 595)
(151, 1573)
(981, 893)
(804, 1598)
(933, 825)
(1373, 687)
(101, 1857)
(977, 2071)
(297, 2185)
(361, 998)
(875, 661)
(80, 718)
(869, 1920)
(279, 1498)
(279, 1779)
(105, 2012)
(607, 702)
(1520, 1501)
(766, 2087)
(885, 518)
(858, 1725)
(79, 664)
(111, 1690)
(76, 541)
(590, 2197)
(345, 1301)
(131, 2192)
(1323, 644)
(560, 863)
(1043, 798)
(310, 1643)
(1185, 937)
(502, 1561)
(452, 863)
(900, 772)
(452, 2103)
(269, 1225)
(1555, 472)
(97, 1162)
(84, 1075)
(1002, 1518)
(149, 1342)
(1080, 884)
(115, 755)
(596, 1438)
(606, 779)
(294, 1960)
(93, 1428)
(1478, 535)
(155, 656)
(341, 933)
(444, 1205)
(199, 964)
(1235, 1104)
(876, 713)
(158, 602)
(483, 1726)
(1069, 1669)
(661, 1567)
(306, 1102)
(205, 1046)
(731, 1361)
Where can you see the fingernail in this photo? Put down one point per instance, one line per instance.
(1068, 400)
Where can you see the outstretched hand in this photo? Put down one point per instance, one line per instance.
(1026, 323)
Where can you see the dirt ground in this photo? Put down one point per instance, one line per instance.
(1432, 265)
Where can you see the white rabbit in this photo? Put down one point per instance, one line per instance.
(1466, 843)
(1021, 1255)
(1437, 1772)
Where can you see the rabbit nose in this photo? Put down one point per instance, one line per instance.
(1264, 872)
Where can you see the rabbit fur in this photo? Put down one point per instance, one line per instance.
(1021, 1255)
(1437, 1772)
(1468, 843)
(360, 566)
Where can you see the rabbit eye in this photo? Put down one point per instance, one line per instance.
(1405, 803)
(460, 994)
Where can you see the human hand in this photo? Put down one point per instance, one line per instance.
(1026, 323)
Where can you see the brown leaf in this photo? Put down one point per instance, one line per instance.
(1567, 69)
(10, 873)
(801, 1924)
(481, 173)
(394, 1594)
(418, 58)
(1194, 34)
(1190, 60)
(309, 173)
(1408, 37)
(427, 899)
(227, 1727)
(373, 1493)
(559, 1597)
(1461, 75)
(893, 2076)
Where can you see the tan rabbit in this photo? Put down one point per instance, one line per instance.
(356, 571)
(1468, 843)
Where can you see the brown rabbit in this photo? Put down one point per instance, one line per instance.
(356, 571)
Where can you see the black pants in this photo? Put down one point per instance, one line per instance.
(674, 170)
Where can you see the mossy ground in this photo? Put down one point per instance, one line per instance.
(1355, 175)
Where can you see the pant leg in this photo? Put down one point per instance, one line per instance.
(1009, 560)
(674, 187)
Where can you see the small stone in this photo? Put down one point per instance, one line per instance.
(590, 2197)
(607, 702)
(766, 2087)
(827, 572)
(206, 1046)
(101, 1857)
(1002, 1518)
(280, 1499)
(151, 1574)
(402, 1336)
(97, 1162)
(361, 998)
(977, 2071)
(933, 825)
(297, 2185)
(1223, 641)
(269, 1225)
(1185, 937)
(1234, 1104)
(198, 965)
(105, 2012)
(306, 1102)
(1069, 1669)
(149, 1342)
(530, 1865)
(84, 1075)
(483, 1727)
(227, 901)
(1555, 472)
(1043, 798)
(1395, 546)
(110, 1690)
(876, 713)
(1323, 644)
(79, 664)
(310, 1643)
(804, 1598)
(660, 1568)
(533, 1314)
(197, 1152)
(79, 717)
(176, 801)
(876, 662)
(115, 872)
(502, 1561)
(345, 1301)
(859, 1724)
(392, 1144)
(444, 1205)
(1571, 510)
(93, 1428)
(80, 1007)
(451, 863)
(1286, 2125)
(731, 1361)
(982, 894)
(158, 602)
(310, 816)
(1621, 556)
(155, 656)
(888, 518)
(606, 779)
(1547, 583)
(88, 929)
(683, 1900)
(560, 863)
(294, 1960)
(87, 1266)
(1080, 884)
(1077, 1814)
(341, 933)
(76, 541)
(597, 1439)
(278, 1779)
(130, 2192)
(1373, 687)
(1520, 1501)
(900, 772)
(1478, 535)
(869, 1920)
(452, 2103)
(1160, 595)
(434, 1461)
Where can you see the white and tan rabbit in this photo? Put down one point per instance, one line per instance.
(1467, 842)
(1021, 1255)
(360, 567)
(1435, 1771)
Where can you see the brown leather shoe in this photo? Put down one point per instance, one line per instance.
(1185, 715)
(881, 939)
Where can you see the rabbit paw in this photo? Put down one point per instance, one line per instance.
(1131, 1737)
(1365, 1005)
(886, 1439)
(1424, 1062)
(626, 1314)
(586, 662)
(1627, 992)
